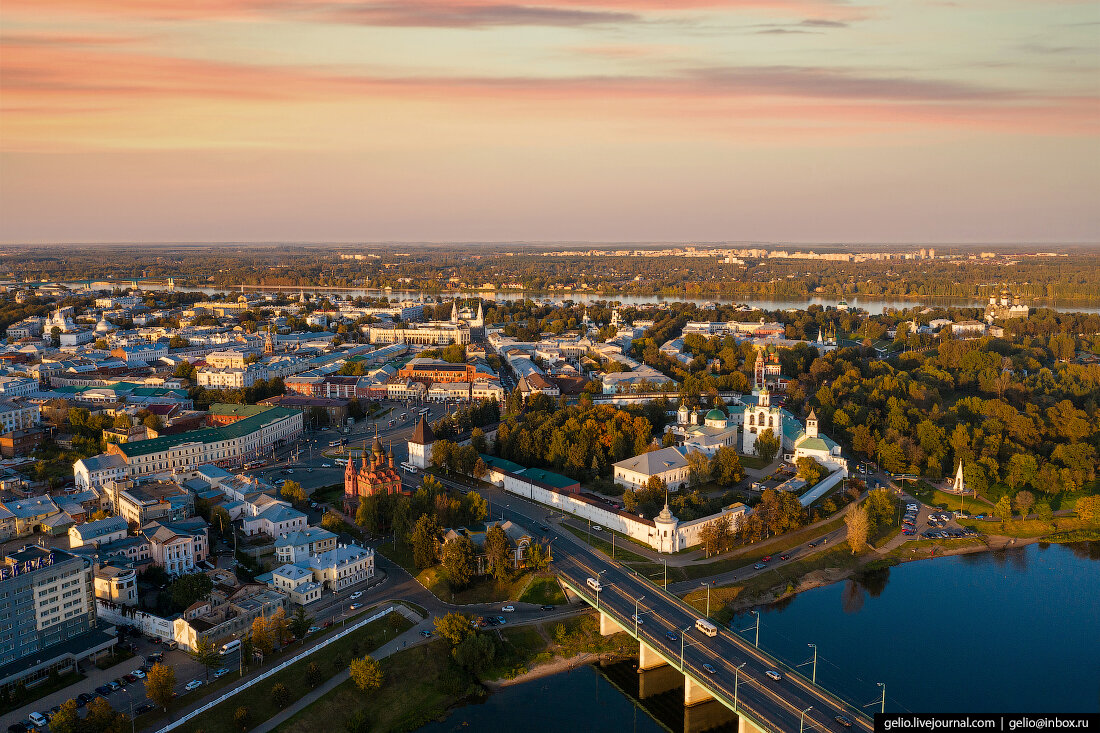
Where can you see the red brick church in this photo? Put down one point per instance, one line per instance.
(377, 477)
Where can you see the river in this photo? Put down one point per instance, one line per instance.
(1007, 631)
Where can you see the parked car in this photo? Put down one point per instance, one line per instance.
(774, 675)
(501, 620)
(83, 699)
(221, 673)
(104, 690)
(115, 685)
(38, 719)
(131, 678)
(193, 685)
(425, 633)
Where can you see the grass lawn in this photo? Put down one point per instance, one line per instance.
(484, 589)
(621, 554)
(543, 590)
(786, 576)
(520, 649)
(118, 655)
(419, 685)
(750, 556)
(402, 554)
(1030, 527)
(753, 462)
(333, 659)
(329, 494)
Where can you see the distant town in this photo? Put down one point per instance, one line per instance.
(261, 504)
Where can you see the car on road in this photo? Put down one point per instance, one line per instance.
(637, 619)
(710, 669)
(193, 685)
(144, 708)
(773, 675)
(547, 607)
(326, 465)
(508, 609)
(425, 633)
(221, 673)
(812, 544)
(766, 558)
(354, 606)
(544, 528)
(671, 635)
(759, 566)
(309, 470)
(784, 556)
(843, 720)
(357, 594)
(104, 690)
(597, 528)
(313, 629)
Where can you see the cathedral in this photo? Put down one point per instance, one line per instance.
(377, 477)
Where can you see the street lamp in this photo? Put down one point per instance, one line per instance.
(883, 686)
(637, 604)
(802, 720)
(708, 584)
(813, 679)
(736, 677)
(598, 592)
(683, 639)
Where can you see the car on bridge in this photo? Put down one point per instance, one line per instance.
(637, 619)
(710, 669)
(773, 675)
(843, 720)
(671, 635)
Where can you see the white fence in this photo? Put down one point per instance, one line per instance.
(274, 670)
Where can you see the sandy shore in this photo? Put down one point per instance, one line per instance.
(557, 665)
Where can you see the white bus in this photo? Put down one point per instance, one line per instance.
(408, 467)
(706, 627)
(594, 585)
(231, 646)
(425, 410)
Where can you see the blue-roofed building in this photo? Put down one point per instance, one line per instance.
(28, 514)
(343, 566)
(277, 518)
(298, 546)
(99, 532)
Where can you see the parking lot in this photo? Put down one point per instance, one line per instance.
(920, 521)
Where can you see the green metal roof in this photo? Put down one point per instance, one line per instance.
(549, 478)
(230, 409)
(207, 435)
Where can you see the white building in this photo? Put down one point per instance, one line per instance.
(668, 464)
(17, 386)
(420, 444)
(18, 414)
(344, 566)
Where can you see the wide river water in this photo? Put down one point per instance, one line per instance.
(1007, 631)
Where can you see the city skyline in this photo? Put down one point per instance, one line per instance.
(574, 120)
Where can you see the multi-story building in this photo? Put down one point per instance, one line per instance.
(117, 585)
(436, 371)
(177, 546)
(47, 614)
(336, 410)
(98, 470)
(343, 566)
(667, 464)
(230, 377)
(227, 445)
(100, 532)
(299, 545)
(18, 414)
(18, 386)
(297, 582)
(151, 501)
(273, 520)
(427, 334)
(28, 514)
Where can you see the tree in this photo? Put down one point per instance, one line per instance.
(727, 466)
(1003, 509)
(313, 675)
(293, 492)
(279, 627)
(767, 445)
(859, 527)
(366, 673)
(810, 471)
(476, 506)
(206, 653)
(458, 558)
(261, 637)
(699, 469)
(220, 519)
(454, 627)
(1024, 501)
(242, 718)
(66, 719)
(152, 422)
(497, 551)
(102, 718)
(478, 441)
(880, 507)
(189, 588)
(122, 421)
(475, 653)
(424, 541)
(280, 695)
(160, 682)
(300, 623)
(1088, 508)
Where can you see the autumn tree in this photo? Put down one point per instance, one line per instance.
(293, 492)
(810, 471)
(280, 695)
(1024, 501)
(66, 719)
(206, 653)
(497, 551)
(1003, 509)
(160, 683)
(859, 527)
(454, 627)
(699, 468)
(366, 673)
(767, 445)
(1088, 508)
(727, 466)
(458, 559)
(262, 639)
(425, 542)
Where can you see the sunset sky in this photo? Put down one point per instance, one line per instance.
(641, 120)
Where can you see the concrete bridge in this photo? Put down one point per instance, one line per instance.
(670, 643)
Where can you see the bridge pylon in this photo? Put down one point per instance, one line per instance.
(609, 626)
(694, 693)
(648, 658)
(744, 725)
